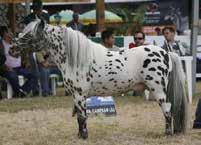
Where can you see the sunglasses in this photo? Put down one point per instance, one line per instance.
(138, 38)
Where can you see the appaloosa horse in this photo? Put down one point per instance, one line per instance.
(90, 69)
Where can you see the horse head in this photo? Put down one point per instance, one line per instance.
(31, 38)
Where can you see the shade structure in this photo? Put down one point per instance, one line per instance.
(66, 16)
(90, 17)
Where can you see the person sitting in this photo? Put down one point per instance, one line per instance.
(139, 39)
(108, 40)
(75, 24)
(46, 68)
(14, 67)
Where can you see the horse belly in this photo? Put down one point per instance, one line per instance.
(111, 85)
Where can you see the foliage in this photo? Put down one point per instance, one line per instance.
(133, 20)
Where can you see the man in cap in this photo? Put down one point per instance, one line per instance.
(37, 7)
(75, 24)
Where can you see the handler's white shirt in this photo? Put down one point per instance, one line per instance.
(11, 61)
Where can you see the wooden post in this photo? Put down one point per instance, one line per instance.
(100, 15)
(11, 17)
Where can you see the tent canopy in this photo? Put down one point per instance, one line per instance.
(90, 17)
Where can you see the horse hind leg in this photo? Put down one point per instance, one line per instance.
(158, 89)
(80, 110)
(166, 109)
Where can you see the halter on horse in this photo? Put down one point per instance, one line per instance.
(91, 69)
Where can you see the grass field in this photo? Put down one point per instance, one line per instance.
(48, 121)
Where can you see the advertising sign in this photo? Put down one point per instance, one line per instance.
(99, 104)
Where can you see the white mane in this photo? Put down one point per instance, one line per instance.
(79, 50)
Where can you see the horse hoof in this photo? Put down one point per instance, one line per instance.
(83, 134)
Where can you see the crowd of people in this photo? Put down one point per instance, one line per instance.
(40, 66)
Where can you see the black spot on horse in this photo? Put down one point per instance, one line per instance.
(161, 69)
(150, 55)
(90, 75)
(157, 82)
(88, 79)
(163, 81)
(111, 72)
(147, 49)
(152, 89)
(117, 67)
(109, 55)
(121, 52)
(156, 60)
(146, 63)
(94, 69)
(141, 72)
(111, 79)
(161, 101)
(166, 60)
(152, 69)
(162, 53)
(157, 54)
(159, 73)
(118, 60)
(148, 77)
(125, 59)
(164, 89)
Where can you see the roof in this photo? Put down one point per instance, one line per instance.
(60, 2)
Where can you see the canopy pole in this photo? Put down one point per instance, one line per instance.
(27, 5)
(194, 33)
(12, 17)
(100, 15)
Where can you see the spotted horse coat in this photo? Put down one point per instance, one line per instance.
(90, 69)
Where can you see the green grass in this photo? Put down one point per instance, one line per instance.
(44, 103)
(53, 102)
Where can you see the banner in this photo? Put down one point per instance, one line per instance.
(167, 12)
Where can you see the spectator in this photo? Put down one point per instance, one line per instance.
(75, 24)
(170, 44)
(14, 68)
(108, 40)
(139, 39)
(46, 68)
(37, 7)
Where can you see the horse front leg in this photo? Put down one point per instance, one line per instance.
(80, 110)
(166, 109)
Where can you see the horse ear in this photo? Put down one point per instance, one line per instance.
(41, 25)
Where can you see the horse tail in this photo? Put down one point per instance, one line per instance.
(177, 95)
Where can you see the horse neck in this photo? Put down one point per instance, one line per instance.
(56, 49)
